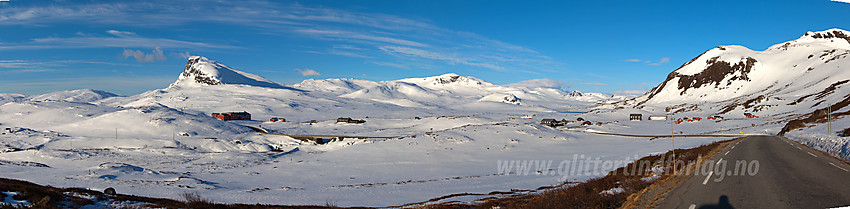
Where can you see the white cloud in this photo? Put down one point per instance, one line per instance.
(844, 1)
(140, 56)
(120, 33)
(633, 60)
(308, 72)
(539, 83)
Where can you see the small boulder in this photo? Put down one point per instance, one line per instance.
(109, 191)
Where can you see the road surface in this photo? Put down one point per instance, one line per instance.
(788, 175)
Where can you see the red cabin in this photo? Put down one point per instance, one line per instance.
(232, 116)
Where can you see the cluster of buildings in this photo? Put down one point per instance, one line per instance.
(563, 122)
(232, 116)
(226, 116)
(349, 120)
(553, 122)
(639, 117)
(696, 119)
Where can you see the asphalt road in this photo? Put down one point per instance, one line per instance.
(789, 175)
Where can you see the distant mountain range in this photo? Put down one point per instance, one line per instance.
(793, 82)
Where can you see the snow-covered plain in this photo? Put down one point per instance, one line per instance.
(448, 134)
(423, 138)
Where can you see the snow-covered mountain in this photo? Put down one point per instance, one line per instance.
(786, 81)
(4, 98)
(451, 91)
(203, 71)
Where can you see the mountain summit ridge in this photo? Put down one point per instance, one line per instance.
(202, 71)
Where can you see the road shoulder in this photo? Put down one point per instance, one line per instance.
(651, 196)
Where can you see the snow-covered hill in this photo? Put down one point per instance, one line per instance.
(80, 95)
(786, 80)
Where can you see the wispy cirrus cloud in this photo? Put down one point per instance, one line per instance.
(119, 39)
(33, 66)
(450, 58)
(385, 38)
(25, 66)
(16, 64)
(591, 83)
(354, 36)
(390, 64)
(662, 61)
(650, 62)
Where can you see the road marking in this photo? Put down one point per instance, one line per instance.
(718, 161)
(813, 155)
(733, 147)
(839, 167)
(727, 152)
(692, 206)
(799, 148)
(707, 177)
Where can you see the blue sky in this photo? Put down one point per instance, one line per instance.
(129, 47)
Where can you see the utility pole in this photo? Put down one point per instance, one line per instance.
(672, 141)
(828, 121)
(721, 125)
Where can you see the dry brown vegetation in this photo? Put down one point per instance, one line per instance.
(587, 194)
(51, 197)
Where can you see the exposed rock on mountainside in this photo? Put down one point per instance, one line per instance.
(201, 71)
(784, 82)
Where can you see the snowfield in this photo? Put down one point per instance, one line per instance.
(423, 138)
